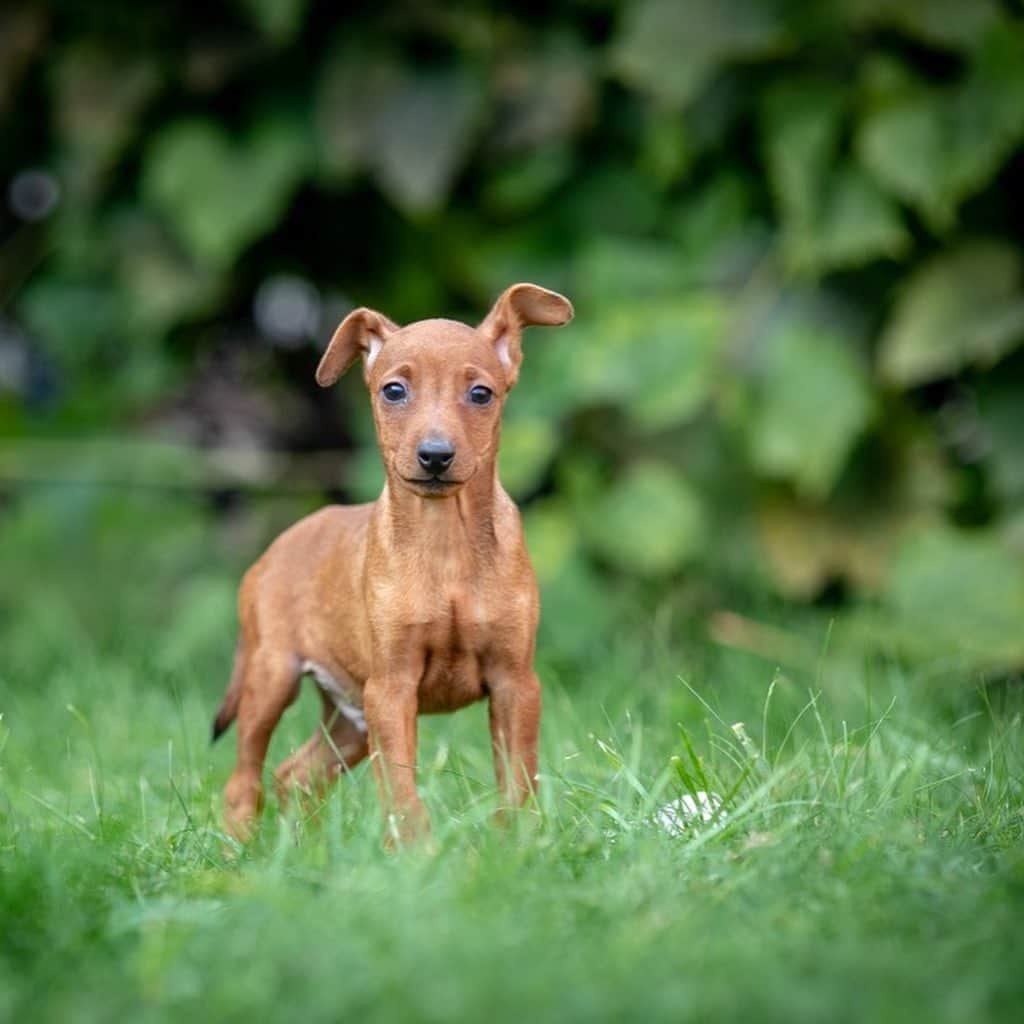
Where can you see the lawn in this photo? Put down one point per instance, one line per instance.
(866, 863)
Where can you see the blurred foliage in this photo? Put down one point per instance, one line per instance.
(792, 234)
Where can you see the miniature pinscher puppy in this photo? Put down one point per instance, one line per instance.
(422, 601)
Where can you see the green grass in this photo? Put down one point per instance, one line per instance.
(868, 863)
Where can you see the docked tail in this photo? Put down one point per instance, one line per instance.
(229, 705)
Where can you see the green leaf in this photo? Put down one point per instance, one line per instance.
(279, 20)
(959, 592)
(645, 342)
(353, 89)
(421, 137)
(649, 522)
(410, 129)
(613, 198)
(672, 49)
(905, 146)
(964, 307)
(832, 218)
(545, 93)
(988, 115)
(717, 229)
(611, 270)
(218, 195)
(656, 359)
(811, 402)
(527, 446)
(947, 23)
(522, 183)
(932, 147)
(859, 223)
(800, 126)
(668, 149)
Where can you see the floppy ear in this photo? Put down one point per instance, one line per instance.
(362, 333)
(522, 305)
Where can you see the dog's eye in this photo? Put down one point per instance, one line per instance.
(393, 392)
(480, 395)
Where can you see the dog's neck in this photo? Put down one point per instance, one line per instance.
(461, 523)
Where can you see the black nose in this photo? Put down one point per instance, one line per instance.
(435, 456)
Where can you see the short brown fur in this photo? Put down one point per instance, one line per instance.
(422, 601)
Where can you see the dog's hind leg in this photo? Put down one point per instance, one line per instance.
(338, 744)
(270, 684)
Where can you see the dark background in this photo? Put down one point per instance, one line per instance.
(791, 232)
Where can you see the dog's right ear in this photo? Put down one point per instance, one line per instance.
(362, 333)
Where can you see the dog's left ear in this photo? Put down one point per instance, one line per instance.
(522, 305)
(362, 333)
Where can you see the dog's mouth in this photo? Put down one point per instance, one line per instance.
(431, 485)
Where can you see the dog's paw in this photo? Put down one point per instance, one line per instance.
(405, 829)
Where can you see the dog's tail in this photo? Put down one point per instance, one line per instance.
(229, 705)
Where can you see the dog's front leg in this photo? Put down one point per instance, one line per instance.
(390, 705)
(515, 727)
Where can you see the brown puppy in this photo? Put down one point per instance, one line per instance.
(422, 601)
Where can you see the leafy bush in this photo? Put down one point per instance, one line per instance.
(791, 233)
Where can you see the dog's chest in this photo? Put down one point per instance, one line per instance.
(456, 637)
(452, 640)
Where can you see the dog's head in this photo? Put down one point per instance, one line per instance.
(438, 386)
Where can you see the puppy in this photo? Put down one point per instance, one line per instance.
(422, 601)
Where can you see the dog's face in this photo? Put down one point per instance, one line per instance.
(438, 386)
(437, 389)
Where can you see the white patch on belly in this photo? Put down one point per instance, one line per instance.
(344, 698)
